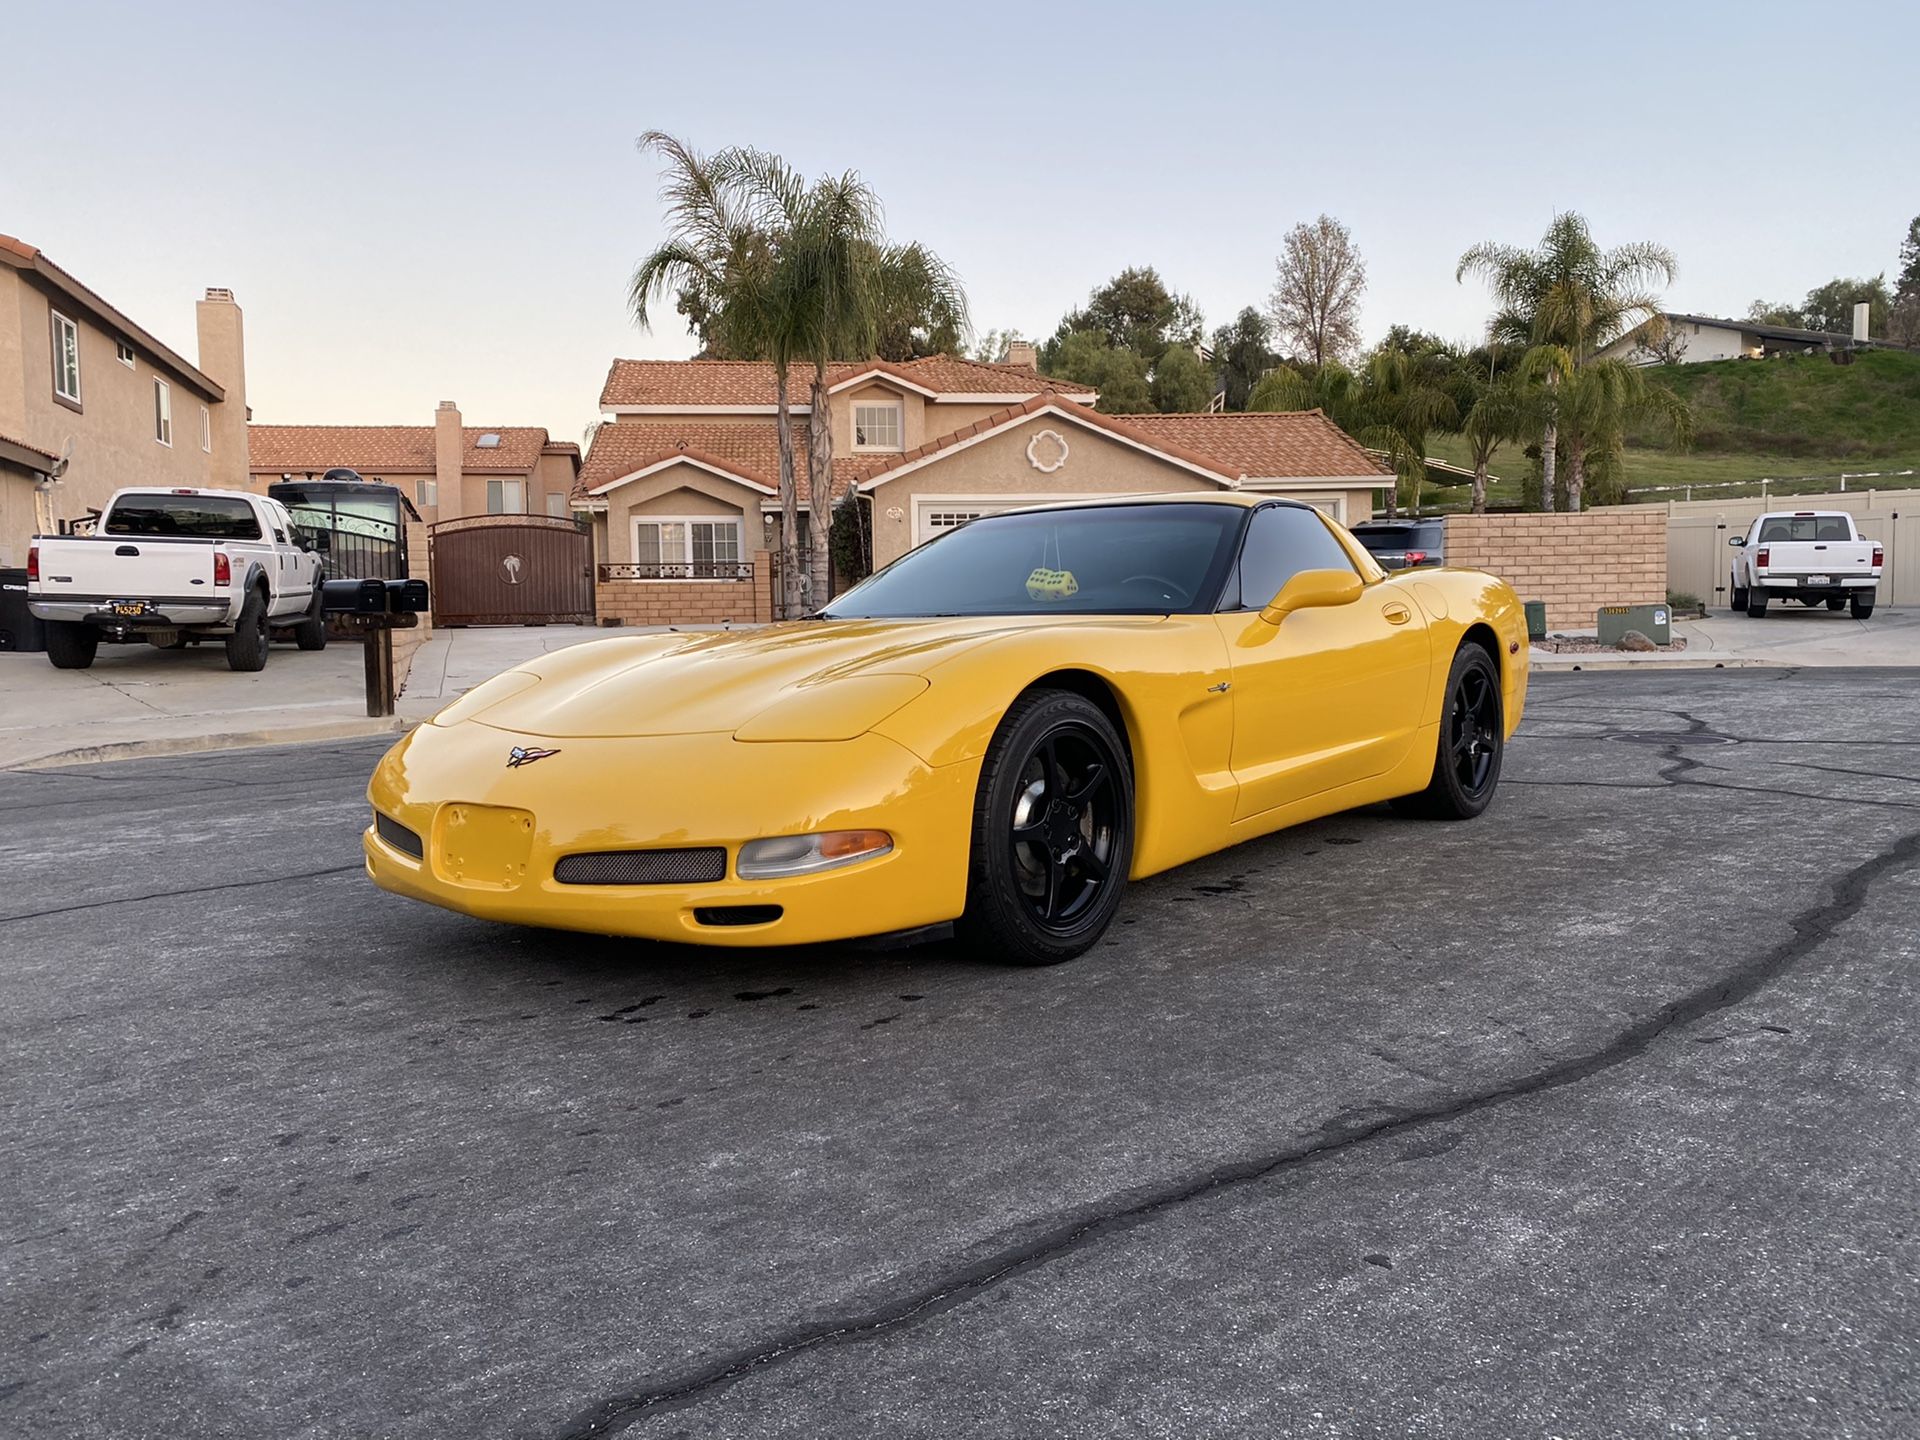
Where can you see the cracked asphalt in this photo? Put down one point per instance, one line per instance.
(1594, 1117)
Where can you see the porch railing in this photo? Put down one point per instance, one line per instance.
(683, 570)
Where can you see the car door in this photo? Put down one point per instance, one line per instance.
(289, 567)
(1328, 697)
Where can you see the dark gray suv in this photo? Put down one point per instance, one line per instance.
(1403, 544)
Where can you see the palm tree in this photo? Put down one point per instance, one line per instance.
(1350, 401)
(1501, 410)
(1570, 295)
(1410, 397)
(1601, 399)
(719, 249)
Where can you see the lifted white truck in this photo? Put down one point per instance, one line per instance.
(165, 567)
(1806, 555)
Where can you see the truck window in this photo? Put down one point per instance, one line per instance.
(198, 517)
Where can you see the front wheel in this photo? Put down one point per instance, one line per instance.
(71, 644)
(1052, 831)
(311, 632)
(1473, 742)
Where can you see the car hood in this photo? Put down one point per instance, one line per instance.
(838, 677)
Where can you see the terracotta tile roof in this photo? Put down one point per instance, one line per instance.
(750, 382)
(748, 447)
(381, 449)
(1275, 445)
(6, 439)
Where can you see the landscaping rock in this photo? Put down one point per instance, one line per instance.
(1634, 640)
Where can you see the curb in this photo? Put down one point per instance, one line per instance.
(201, 744)
(1618, 662)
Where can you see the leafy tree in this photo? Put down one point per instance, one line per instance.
(1119, 375)
(1134, 311)
(1319, 280)
(1377, 407)
(1907, 287)
(920, 309)
(1242, 353)
(1765, 312)
(1601, 399)
(1563, 302)
(1903, 321)
(989, 348)
(1180, 382)
(1830, 306)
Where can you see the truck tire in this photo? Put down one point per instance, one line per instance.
(1836, 602)
(1756, 602)
(311, 632)
(71, 644)
(1861, 600)
(247, 646)
(1739, 600)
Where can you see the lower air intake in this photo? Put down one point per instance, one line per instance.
(397, 835)
(643, 867)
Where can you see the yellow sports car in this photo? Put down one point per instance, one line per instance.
(998, 731)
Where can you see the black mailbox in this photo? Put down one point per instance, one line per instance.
(354, 597)
(407, 597)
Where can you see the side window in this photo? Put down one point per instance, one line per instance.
(1283, 540)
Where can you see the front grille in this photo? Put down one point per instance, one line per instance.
(643, 867)
(398, 836)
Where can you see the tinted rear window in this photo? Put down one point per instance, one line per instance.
(198, 517)
(1398, 537)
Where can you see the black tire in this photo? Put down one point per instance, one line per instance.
(1756, 602)
(247, 646)
(1052, 832)
(1472, 743)
(1862, 603)
(1836, 602)
(1739, 600)
(71, 644)
(311, 632)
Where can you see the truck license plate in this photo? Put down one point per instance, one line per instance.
(1818, 580)
(129, 607)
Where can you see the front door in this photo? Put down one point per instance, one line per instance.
(1328, 697)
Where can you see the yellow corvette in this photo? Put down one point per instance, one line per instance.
(998, 730)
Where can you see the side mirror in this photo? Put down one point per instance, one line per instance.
(1313, 590)
(1737, 541)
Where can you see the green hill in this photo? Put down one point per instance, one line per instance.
(1780, 419)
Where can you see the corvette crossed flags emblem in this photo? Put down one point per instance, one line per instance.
(526, 755)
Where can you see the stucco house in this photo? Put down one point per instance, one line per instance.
(681, 480)
(448, 469)
(1695, 339)
(82, 381)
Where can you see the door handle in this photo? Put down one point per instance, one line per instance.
(1397, 614)
(126, 549)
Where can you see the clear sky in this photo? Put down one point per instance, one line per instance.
(416, 203)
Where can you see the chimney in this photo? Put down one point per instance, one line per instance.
(1021, 353)
(223, 357)
(449, 456)
(1860, 314)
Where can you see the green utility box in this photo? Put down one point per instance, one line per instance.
(1653, 621)
(1536, 619)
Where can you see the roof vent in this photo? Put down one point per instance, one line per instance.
(488, 441)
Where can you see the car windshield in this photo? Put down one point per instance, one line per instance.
(1109, 559)
(202, 517)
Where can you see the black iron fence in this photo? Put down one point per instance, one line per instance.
(682, 570)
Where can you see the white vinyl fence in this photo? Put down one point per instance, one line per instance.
(1699, 560)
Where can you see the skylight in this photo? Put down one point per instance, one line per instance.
(488, 441)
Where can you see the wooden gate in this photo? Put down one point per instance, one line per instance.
(511, 570)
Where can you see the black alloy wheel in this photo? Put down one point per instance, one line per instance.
(1053, 831)
(1472, 743)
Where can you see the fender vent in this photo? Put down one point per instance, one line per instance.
(398, 836)
(643, 867)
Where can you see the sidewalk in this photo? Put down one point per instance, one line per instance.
(138, 701)
(1785, 636)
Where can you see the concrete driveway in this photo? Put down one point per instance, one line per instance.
(1792, 634)
(1592, 1118)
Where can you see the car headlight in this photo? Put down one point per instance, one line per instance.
(786, 855)
(837, 709)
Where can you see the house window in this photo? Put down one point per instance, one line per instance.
(557, 505)
(206, 429)
(426, 492)
(123, 352)
(163, 412)
(506, 497)
(876, 427)
(66, 359)
(687, 549)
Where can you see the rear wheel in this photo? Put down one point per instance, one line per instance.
(1739, 600)
(247, 646)
(71, 644)
(311, 632)
(1862, 602)
(1473, 741)
(1052, 832)
(1756, 602)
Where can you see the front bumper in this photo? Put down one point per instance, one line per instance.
(674, 791)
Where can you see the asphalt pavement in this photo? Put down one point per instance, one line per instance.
(1594, 1117)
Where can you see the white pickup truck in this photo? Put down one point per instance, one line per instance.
(1805, 555)
(169, 566)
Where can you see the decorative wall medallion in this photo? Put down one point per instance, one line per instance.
(894, 512)
(1047, 451)
(510, 568)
